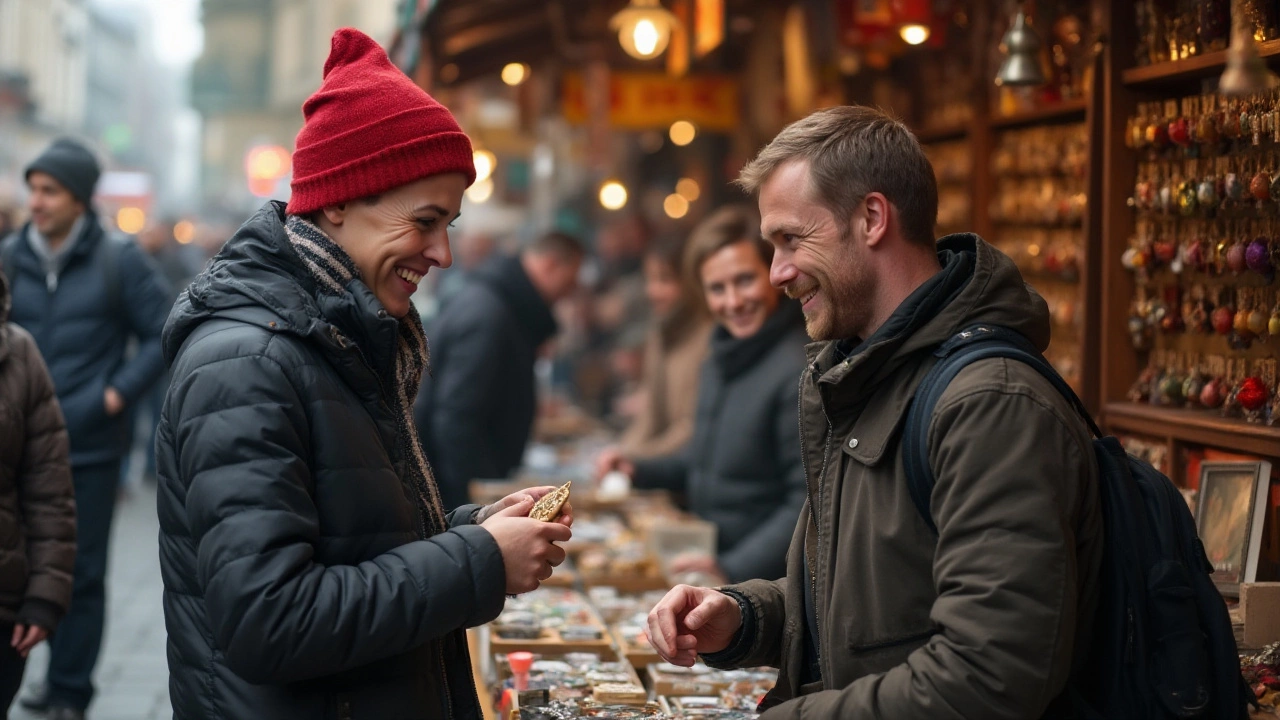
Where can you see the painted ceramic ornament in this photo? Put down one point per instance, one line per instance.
(1133, 259)
(1193, 255)
(1144, 194)
(1260, 186)
(1211, 394)
(1240, 322)
(1273, 325)
(1257, 256)
(1222, 318)
(1192, 387)
(1236, 258)
(1187, 203)
(1253, 394)
(1164, 198)
(1233, 188)
(1166, 251)
(1257, 322)
(1180, 132)
(1207, 193)
(1171, 389)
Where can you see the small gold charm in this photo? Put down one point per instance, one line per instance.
(548, 508)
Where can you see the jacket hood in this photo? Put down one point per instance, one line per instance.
(977, 284)
(256, 270)
(507, 277)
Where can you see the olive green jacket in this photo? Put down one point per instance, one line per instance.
(982, 621)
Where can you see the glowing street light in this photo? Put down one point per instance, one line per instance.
(675, 206)
(613, 195)
(644, 28)
(485, 161)
(682, 132)
(688, 189)
(514, 73)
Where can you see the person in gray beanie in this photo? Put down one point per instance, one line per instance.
(83, 294)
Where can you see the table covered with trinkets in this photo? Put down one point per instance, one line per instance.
(577, 647)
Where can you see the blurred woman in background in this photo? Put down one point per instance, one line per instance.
(741, 469)
(674, 349)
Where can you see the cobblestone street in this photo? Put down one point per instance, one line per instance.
(132, 679)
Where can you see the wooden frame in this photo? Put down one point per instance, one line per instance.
(1230, 513)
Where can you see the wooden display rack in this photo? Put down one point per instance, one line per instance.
(1124, 85)
(1110, 364)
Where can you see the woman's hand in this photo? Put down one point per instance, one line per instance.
(566, 512)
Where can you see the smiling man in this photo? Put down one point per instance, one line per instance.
(310, 567)
(878, 616)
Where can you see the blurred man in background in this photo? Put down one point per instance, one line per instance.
(476, 407)
(179, 264)
(83, 294)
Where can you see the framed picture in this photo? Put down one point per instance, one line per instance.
(1231, 507)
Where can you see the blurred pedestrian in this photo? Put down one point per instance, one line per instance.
(37, 505)
(180, 264)
(741, 469)
(310, 568)
(84, 295)
(674, 349)
(475, 411)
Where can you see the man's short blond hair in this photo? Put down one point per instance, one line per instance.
(852, 151)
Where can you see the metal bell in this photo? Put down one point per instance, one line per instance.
(1021, 47)
(1246, 74)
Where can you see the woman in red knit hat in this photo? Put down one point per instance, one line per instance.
(309, 568)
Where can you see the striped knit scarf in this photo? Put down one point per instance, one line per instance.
(332, 270)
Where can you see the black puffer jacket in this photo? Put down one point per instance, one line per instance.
(742, 469)
(295, 582)
(475, 411)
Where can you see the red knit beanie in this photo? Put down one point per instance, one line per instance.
(369, 129)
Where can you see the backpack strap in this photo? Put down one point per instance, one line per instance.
(974, 343)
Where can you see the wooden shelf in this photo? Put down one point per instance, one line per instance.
(942, 133)
(1192, 68)
(1062, 112)
(1202, 427)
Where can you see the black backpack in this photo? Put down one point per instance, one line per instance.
(1163, 646)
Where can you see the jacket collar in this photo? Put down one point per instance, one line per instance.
(736, 355)
(506, 277)
(259, 278)
(867, 386)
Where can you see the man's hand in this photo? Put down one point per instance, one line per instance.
(26, 637)
(692, 621)
(112, 401)
(564, 518)
(611, 459)
(529, 552)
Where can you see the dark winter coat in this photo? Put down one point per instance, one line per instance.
(296, 584)
(742, 469)
(475, 410)
(37, 504)
(71, 318)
